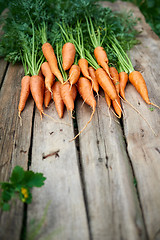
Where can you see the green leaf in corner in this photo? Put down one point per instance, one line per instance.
(32, 179)
(17, 175)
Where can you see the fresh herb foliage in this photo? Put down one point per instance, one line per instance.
(20, 185)
(25, 17)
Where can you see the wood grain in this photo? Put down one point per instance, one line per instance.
(143, 147)
(14, 145)
(56, 157)
(3, 68)
(114, 211)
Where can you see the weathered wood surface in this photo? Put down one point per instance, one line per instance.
(15, 144)
(143, 147)
(56, 157)
(89, 190)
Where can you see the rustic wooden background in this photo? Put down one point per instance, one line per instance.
(103, 186)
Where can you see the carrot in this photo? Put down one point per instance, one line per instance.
(138, 82)
(67, 97)
(83, 64)
(68, 55)
(84, 89)
(102, 59)
(47, 97)
(25, 90)
(74, 74)
(50, 56)
(99, 52)
(59, 104)
(123, 79)
(108, 100)
(95, 84)
(40, 74)
(49, 77)
(117, 106)
(115, 78)
(37, 91)
(106, 83)
(74, 92)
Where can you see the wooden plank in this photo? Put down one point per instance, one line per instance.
(3, 67)
(143, 146)
(14, 145)
(56, 157)
(113, 207)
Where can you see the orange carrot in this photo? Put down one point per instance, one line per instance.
(74, 74)
(123, 79)
(108, 100)
(117, 106)
(84, 89)
(95, 84)
(68, 55)
(59, 104)
(115, 78)
(49, 54)
(83, 63)
(74, 92)
(49, 77)
(67, 97)
(37, 90)
(47, 97)
(106, 83)
(102, 59)
(138, 82)
(40, 74)
(25, 90)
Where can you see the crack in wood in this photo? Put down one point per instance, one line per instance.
(134, 177)
(157, 149)
(1, 166)
(23, 151)
(51, 133)
(31, 141)
(55, 153)
(81, 173)
(4, 74)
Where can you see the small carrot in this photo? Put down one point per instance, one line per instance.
(117, 106)
(74, 92)
(106, 83)
(49, 77)
(138, 82)
(68, 55)
(40, 74)
(84, 89)
(47, 97)
(94, 80)
(25, 90)
(115, 78)
(123, 79)
(102, 59)
(52, 60)
(37, 91)
(74, 74)
(67, 97)
(99, 52)
(83, 64)
(59, 104)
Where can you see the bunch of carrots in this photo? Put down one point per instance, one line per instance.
(71, 67)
